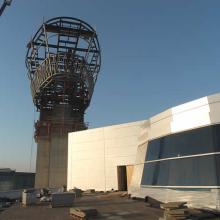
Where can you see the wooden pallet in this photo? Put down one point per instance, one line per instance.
(83, 213)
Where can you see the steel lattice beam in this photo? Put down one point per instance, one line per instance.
(5, 3)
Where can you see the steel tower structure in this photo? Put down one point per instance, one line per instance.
(5, 3)
(63, 61)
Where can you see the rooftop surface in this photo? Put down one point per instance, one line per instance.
(109, 206)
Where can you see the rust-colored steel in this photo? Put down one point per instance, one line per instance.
(63, 61)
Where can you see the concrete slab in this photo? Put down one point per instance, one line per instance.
(109, 206)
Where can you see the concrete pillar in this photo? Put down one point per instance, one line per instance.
(52, 138)
(42, 163)
(58, 161)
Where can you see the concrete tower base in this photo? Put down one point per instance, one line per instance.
(52, 144)
(51, 165)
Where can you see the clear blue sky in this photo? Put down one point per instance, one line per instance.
(155, 54)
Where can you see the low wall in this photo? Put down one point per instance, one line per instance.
(198, 198)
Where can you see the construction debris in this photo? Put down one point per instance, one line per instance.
(78, 192)
(179, 211)
(124, 194)
(173, 205)
(90, 191)
(83, 213)
(44, 192)
(151, 202)
(45, 199)
(62, 199)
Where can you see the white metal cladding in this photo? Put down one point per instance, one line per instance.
(94, 154)
(192, 115)
(197, 113)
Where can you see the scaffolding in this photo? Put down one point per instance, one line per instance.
(63, 61)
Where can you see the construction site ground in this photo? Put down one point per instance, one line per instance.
(109, 206)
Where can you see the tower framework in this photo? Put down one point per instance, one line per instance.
(63, 61)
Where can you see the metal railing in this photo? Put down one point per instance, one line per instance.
(54, 64)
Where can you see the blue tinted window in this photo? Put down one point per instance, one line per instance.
(197, 141)
(195, 171)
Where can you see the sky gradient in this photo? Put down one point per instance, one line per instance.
(156, 54)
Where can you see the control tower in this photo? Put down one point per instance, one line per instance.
(63, 61)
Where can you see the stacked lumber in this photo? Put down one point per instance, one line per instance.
(83, 213)
(175, 211)
(179, 211)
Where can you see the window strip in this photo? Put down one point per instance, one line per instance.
(181, 187)
(182, 157)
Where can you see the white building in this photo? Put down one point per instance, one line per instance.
(172, 156)
(94, 155)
